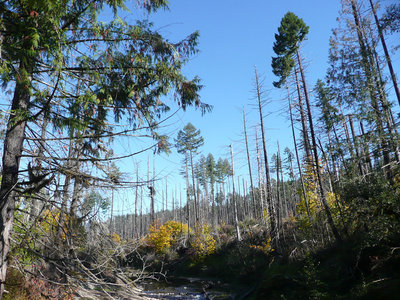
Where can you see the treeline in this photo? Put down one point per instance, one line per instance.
(348, 134)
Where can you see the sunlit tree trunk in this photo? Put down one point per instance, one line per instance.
(13, 145)
(314, 148)
(306, 140)
(267, 171)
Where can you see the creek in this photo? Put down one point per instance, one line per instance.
(189, 288)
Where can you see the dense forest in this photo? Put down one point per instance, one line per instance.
(319, 220)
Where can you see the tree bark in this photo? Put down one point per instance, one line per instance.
(13, 145)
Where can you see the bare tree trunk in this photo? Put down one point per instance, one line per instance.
(317, 167)
(284, 200)
(173, 205)
(187, 197)
(387, 56)
(234, 199)
(212, 200)
(141, 211)
(366, 147)
(306, 140)
(77, 181)
(65, 195)
(356, 146)
(388, 113)
(207, 200)
(194, 189)
(136, 202)
(335, 168)
(152, 194)
(166, 193)
(249, 164)
(278, 196)
(282, 185)
(298, 160)
(38, 168)
(225, 215)
(112, 212)
(339, 204)
(246, 204)
(366, 63)
(229, 205)
(220, 206)
(260, 183)
(346, 132)
(162, 203)
(238, 201)
(269, 194)
(180, 208)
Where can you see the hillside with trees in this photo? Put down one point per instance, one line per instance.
(317, 219)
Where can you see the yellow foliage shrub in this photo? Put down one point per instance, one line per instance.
(162, 237)
(116, 238)
(50, 220)
(266, 215)
(204, 243)
(265, 247)
(313, 199)
(313, 203)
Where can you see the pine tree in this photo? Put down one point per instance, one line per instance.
(291, 32)
(189, 141)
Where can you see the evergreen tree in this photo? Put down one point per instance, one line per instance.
(291, 32)
(189, 141)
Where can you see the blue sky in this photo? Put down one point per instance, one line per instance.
(235, 36)
(233, 39)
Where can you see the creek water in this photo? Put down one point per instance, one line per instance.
(188, 288)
